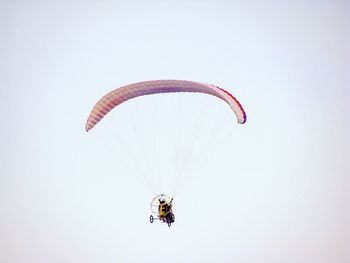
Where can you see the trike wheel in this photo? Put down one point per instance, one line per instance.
(151, 219)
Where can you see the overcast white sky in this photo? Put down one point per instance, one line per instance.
(278, 190)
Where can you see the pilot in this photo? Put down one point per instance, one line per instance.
(163, 208)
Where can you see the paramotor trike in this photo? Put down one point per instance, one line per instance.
(161, 209)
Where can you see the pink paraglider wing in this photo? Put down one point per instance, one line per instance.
(122, 94)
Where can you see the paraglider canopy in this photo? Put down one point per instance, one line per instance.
(122, 94)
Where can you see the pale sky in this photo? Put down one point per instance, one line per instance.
(276, 191)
